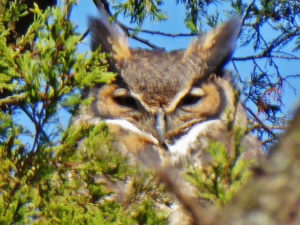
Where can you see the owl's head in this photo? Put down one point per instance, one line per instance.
(165, 96)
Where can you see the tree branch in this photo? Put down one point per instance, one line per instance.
(160, 33)
(146, 42)
(259, 121)
(13, 100)
(262, 55)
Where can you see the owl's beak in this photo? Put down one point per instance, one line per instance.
(160, 123)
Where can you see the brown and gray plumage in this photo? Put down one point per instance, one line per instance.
(171, 103)
(165, 108)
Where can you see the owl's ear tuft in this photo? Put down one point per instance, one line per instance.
(214, 49)
(110, 37)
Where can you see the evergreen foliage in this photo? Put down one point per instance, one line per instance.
(52, 180)
(74, 175)
(218, 181)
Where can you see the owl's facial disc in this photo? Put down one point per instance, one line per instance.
(191, 99)
(166, 124)
(165, 99)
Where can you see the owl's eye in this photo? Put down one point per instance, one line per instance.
(190, 100)
(193, 97)
(126, 101)
(123, 98)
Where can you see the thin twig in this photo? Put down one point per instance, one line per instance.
(261, 56)
(278, 41)
(35, 123)
(85, 34)
(270, 127)
(160, 33)
(293, 76)
(247, 11)
(148, 43)
(259, 121)
(104, 5)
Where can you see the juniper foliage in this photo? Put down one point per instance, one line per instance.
(53, 173)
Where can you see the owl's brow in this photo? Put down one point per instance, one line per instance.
(172, 105)
(137, 96)
(129, 126)
(196, 91)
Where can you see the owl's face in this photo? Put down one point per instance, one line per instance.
(166, 100)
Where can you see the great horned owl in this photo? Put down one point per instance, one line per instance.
(170, 103)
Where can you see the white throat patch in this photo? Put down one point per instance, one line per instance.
(184, 143)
